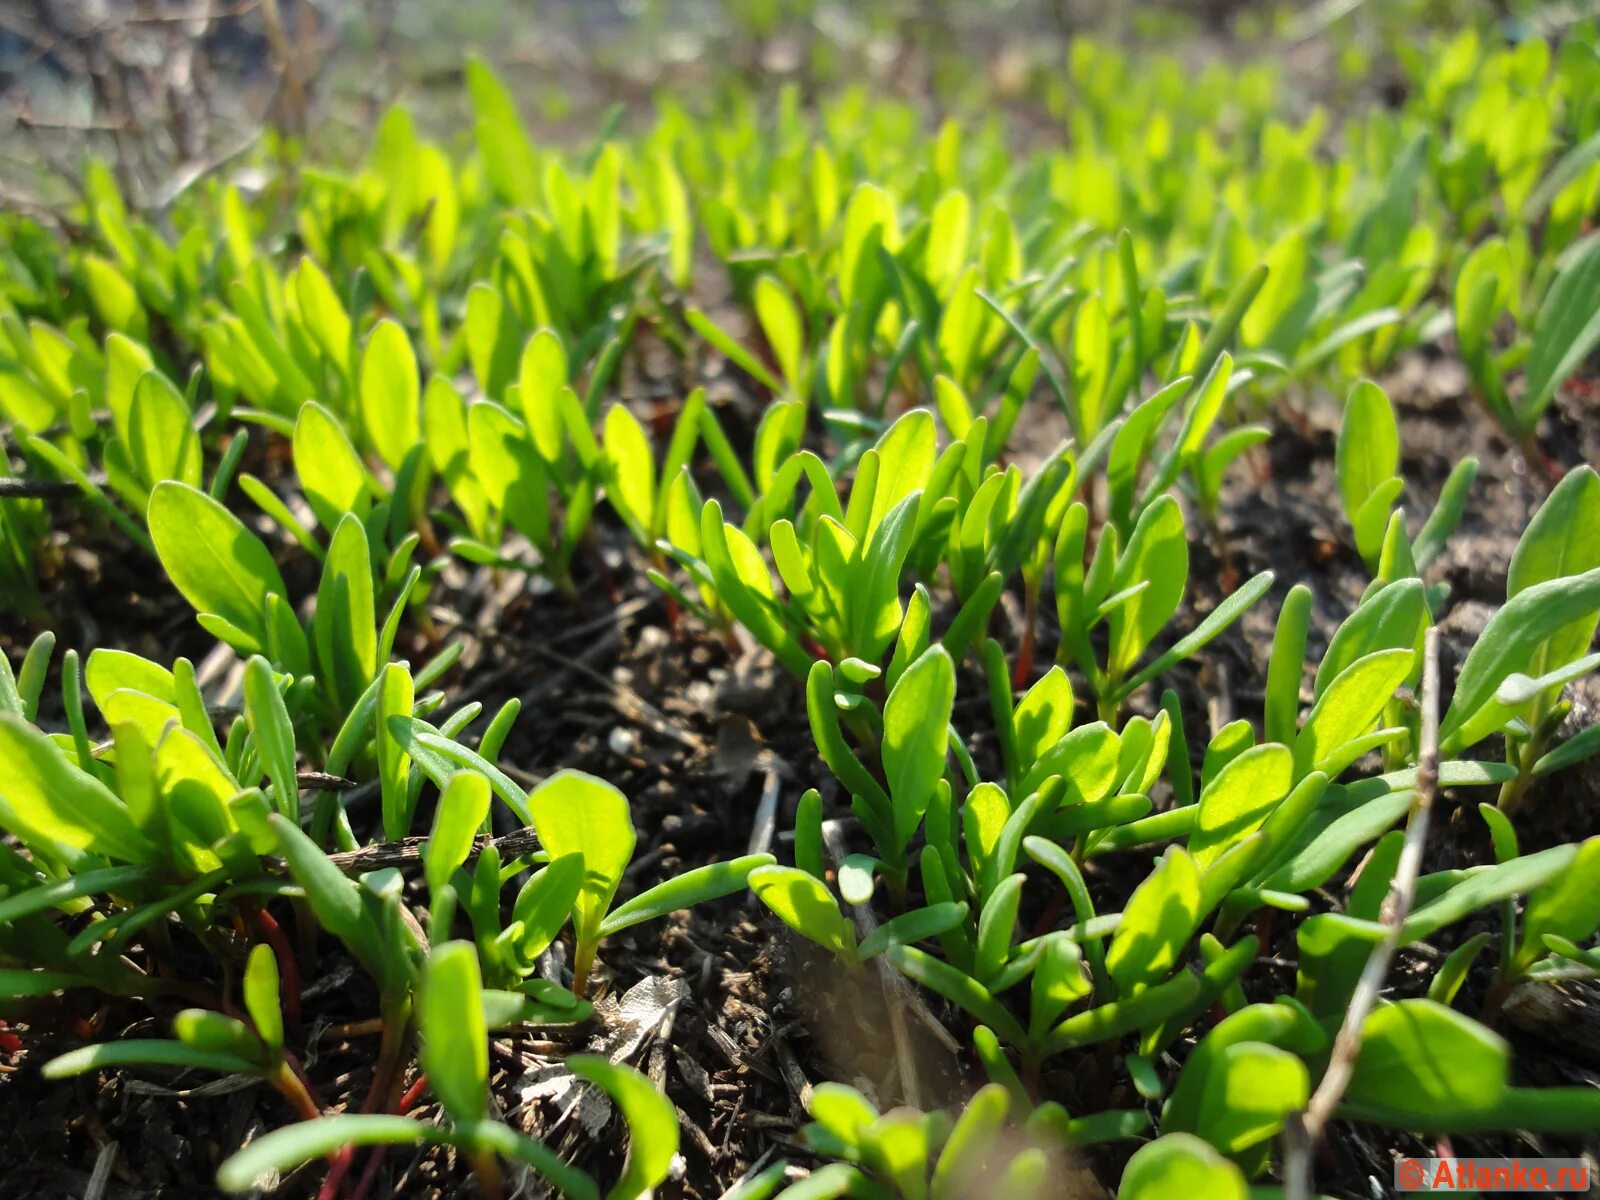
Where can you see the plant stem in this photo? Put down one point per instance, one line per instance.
(369, 1174)
(412, 1094)
(486, 1169)
(583, 953)
(1533, 454)
(1495, 998)
(1527, 752)
(1106, 705)
(394, 1020)
(1030, 622)
(289, 1085)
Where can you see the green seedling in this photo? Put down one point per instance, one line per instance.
(456, 1014)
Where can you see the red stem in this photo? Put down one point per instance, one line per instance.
(388, 1051)
(1052, 912)
(413, 1094)
(336, 1174)
(1030, 621)
(375, 1160)
(1534, 455)
(369, 1175)
(293, 1064)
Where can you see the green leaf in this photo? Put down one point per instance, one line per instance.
(1421, 1061)
(1486, 886)
(780, 321)
(331, 473)
(495, 1137)
(1568, 907)
(841, 1112)
(630, 481)
(335, 899)
(29, 900)
(261, 996)
(801, 902)
(996, 925)
(1059, 981)
(17, 983)
(872, 588)
(1511, 638)
(439, 756)
(916, 722)
(1575, 749)
(652, 1123)
(396, 701)
(1565, 331)
(462, 810)
(137, 1052)
(1329, 847)
(391, 399)
(963, 1159)
(1157, 553)
(269, 723)
(214, 1033)
(1249, 1089)
(836, 752)
(1042, 718)
(1180, 1164)
(745, 586)
(915, 926)
(576, 813)
(1238, 799)
(46, 800)
(1087, 760)
(1156, 924)
(503, 145)
(281, 1150)
(1452, 973)
(114, 296)
(324, 317)
(1348, 710)
(732, 350)
(1214, 622)
(1446, 514)
(1282, 702)
(545, 902)
(692, 887)
(1366, 459)
(218, 564)
(455, 1040)
(163, 442)
(1559, 542)
(542, 373)
(1391, 618)
(960, 989)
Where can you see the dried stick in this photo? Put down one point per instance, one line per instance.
(408, 852)
(896, 993)
(13, 488)
(1303, 1131)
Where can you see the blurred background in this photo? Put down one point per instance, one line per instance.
(173, 89)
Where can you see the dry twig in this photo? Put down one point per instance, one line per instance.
(897, 993)
(1305, 1130)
